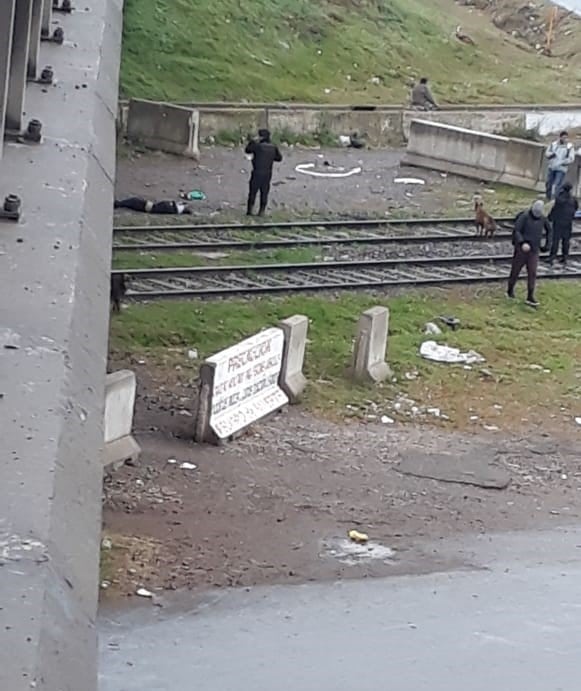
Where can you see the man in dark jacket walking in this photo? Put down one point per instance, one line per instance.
(264, 155)
(527, 238)
(561, 217)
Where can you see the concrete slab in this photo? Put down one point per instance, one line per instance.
(54, 295)
(292, 380)
(371, 346)
(469, 469)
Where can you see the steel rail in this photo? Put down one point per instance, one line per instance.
(335, 275)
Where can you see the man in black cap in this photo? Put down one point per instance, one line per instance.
(532, 235)
(264, 155)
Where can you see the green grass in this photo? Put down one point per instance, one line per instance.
(330, 51)
(509, 335)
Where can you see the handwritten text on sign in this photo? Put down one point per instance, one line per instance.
(246, 382)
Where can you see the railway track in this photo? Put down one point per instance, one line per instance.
(224, 281)
(306, 233)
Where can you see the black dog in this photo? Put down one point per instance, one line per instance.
(118, 290)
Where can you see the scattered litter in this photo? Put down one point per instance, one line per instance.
(307, 169)
(193, 196)
(411, 376)
(106, 543)
(430, 350)
(473, 418)
(352, 553)
(578, 420)
(564, 476)
(537, 368)
(141, 362)
(344, 140)
(358, 537)
(193, 354)
(105, 585)
(143, 592)
(9, 339)
(172, 461)
(452, 322)
(436, 412)
(491, 428)
(386, 420)
(188, 466)
(432, 329)
(375, 80)
(409, 181)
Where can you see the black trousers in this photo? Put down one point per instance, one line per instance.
(133, 203)
(560, 235)
(258, 184)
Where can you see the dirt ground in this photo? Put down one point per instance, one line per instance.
(223, 176)
(276, 505)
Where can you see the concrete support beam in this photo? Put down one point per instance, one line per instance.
(371, 346)
(46, 18)
(35, 28)
(18, 65)
(7, 9)
(292, 380)
(54, 312)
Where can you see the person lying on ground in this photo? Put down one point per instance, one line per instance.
(150, 207)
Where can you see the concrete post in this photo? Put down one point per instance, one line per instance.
(46, 18)
(6, 29)
(18, 64)
(35, 27)
(292, 380)
(371, 345)
(120, 446)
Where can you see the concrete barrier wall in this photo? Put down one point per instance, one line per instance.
(551, 121)
(164, 127)
(476, 154)
(381, 125)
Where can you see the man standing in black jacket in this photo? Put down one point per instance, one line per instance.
(561, 217)
(264, 155)
(527, 238)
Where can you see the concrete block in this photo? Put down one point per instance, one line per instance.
(371, 346)
(120, 389)
(476, 155)
(164, 127)
(292, 380)
(239, 386)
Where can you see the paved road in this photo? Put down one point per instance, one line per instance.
(510, 620)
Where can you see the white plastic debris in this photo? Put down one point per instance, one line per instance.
(578, 420)
(307, 169)
(432, 329)
(386, 420)
(438, 352)
(172, 461)
(143, 592)
(344, 140)
(193, 354)
(409, 181)
(188, 466)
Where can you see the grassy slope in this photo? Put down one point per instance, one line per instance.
(206, 50)
(509, 335)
